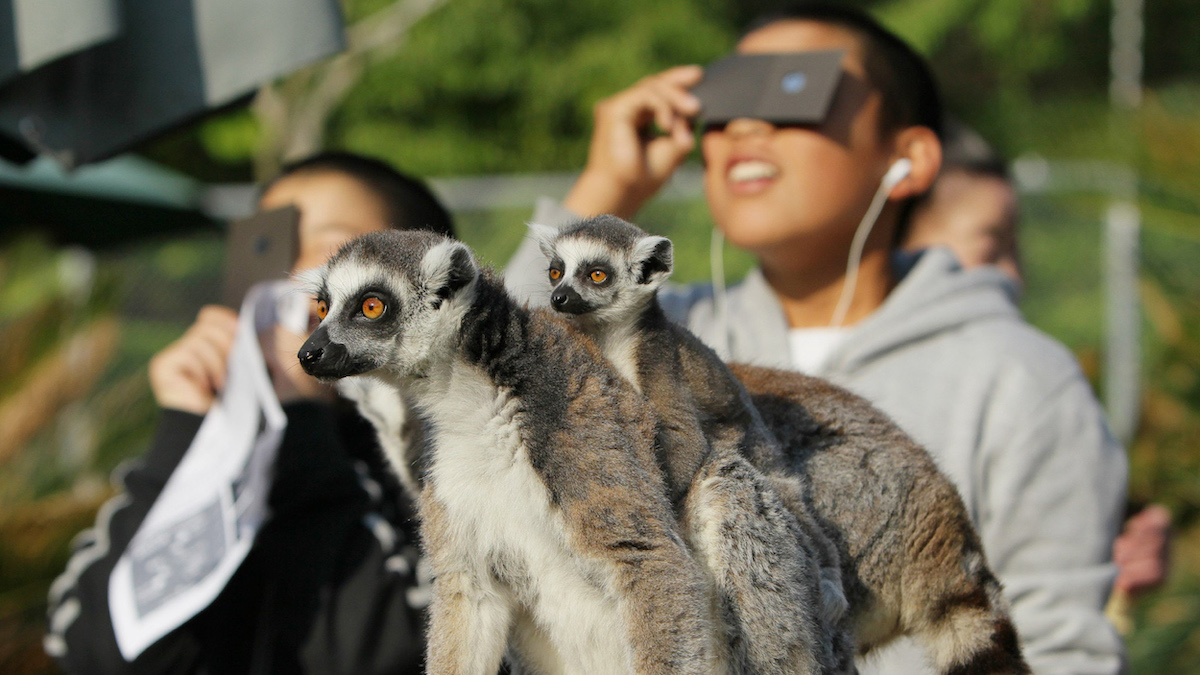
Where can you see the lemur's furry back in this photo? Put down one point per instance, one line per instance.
(776, 568)
(916, 563)
(542, 509)
(910, 560)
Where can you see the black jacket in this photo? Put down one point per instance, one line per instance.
(327, 588)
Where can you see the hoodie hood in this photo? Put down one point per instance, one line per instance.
(936, 295)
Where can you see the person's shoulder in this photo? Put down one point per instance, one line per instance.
(687, 303)
(990, 332)
(1012, 342)
(697, 303)
(1029, 372)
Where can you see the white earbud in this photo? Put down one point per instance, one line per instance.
(897, 172)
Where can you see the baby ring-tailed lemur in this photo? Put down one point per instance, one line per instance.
(542, 509)
(714, 450)
(912, 562)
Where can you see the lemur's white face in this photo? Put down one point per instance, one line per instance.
(388, 302)
(603, 280)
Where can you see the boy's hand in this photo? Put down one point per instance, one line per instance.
(1142, 551)
(187, 374)
(626, 165)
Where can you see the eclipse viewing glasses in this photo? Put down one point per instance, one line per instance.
(794, 88)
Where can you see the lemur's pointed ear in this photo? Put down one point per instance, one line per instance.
(448, 268)
(544, 235)
(653, 260)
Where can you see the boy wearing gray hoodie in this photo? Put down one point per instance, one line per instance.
(1003, 409)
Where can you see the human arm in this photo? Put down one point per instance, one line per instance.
(626, 165)
(189, 373)
(1142, 556)
(185, 378)
(1052, 487)
(80, 634)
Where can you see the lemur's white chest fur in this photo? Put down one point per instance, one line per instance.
(508, 534)
(382, 405)
(619, 344)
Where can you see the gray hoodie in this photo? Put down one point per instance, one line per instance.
(1003, 409)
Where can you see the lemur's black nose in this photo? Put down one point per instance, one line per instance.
(310, 355)
(326, 359)
(566, 299)
(313, 354)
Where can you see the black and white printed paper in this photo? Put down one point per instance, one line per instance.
(208, 514)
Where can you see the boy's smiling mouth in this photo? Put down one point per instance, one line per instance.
(750, 175)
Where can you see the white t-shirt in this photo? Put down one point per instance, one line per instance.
(811, 347)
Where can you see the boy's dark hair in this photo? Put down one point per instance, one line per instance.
(903, 78)
(408, 203)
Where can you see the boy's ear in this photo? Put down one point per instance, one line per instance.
(920, 145)
(448, 268)
(653, 260)
(544, 235)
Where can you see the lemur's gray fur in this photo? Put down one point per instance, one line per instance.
(743, 511)
(911, 562)
(399, 429)
(542, 508)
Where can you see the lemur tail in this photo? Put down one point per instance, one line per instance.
(973, 638)
(960, 614)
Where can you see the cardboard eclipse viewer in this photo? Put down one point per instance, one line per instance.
(792, 88)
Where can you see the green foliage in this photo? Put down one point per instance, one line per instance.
(926, 25)
(231, 138)
(49, 299)
(46, 295)
(1061, 247)
(357, 10)
(485, 85)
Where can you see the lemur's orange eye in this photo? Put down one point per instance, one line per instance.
(555, 274)
(372, 308)
(322, 309)
(598, 276)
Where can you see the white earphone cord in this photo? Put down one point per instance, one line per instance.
(716, 250)
(894, 175)
(716, 263)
